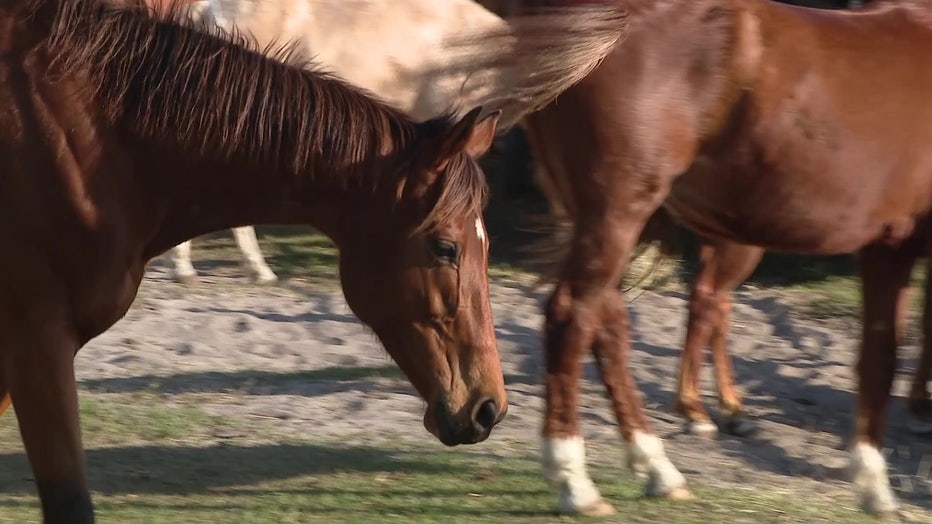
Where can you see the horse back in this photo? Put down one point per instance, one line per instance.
(831, 111)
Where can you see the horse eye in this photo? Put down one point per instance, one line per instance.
(446, 251)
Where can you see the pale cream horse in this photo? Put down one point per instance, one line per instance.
(358, 40)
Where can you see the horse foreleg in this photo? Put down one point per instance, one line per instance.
(920, 405)
(699, 325)
(5, 403)
(253, 263)
(736, 263)
(722, 266)
(646, 455)
(182, 269)
(586, 311)
(40, 376)
(885, 274)
(568, 333)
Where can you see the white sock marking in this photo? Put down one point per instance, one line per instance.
(647, 455)
(565, 468)
(869, 476)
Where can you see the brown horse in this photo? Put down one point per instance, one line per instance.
(750, 122)
(124, 134)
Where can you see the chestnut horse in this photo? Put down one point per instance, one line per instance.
(125, 133)
(751, 122)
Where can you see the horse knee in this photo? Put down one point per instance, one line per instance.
(559, 308)
(704, 305)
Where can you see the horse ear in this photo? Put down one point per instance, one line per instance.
(483, 133)
(470, 135)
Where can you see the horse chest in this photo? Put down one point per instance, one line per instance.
(100, 302)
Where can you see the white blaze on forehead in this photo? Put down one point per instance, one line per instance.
(480, 230)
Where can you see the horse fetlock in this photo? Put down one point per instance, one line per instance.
(564, 467)
(868, 472)
(698, 421)
(646, 454)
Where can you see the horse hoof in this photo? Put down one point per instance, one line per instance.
(740, 427)
(599, 508)
(186, 280)
(261, 277)
(882, 508)
(679, 493)
(702, 428)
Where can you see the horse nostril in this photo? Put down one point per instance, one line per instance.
(486, 416)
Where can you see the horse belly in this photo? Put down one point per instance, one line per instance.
(770, 210)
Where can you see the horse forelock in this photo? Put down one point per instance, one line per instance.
(463, 192)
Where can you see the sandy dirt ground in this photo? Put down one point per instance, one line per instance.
(222, 343)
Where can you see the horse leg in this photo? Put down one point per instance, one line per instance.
(885, 276)
(920, 405)
(722, 266)
(568, 333)
(182, 269)
(736, 263)
(586, 311)
(646, 455)
(253, 263)
(41, 381)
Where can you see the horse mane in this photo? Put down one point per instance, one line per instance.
(172, 77)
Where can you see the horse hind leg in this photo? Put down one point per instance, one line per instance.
(723, 266)
(253, 263)
(885, 273)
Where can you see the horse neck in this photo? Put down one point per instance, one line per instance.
(199, 195)
(222, 134)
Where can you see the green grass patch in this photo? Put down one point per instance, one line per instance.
(139, 474)
(242, 382)
(136, 418)
(840, 295)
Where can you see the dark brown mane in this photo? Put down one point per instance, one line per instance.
(176, 79)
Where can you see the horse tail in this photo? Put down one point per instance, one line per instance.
(523, 64)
